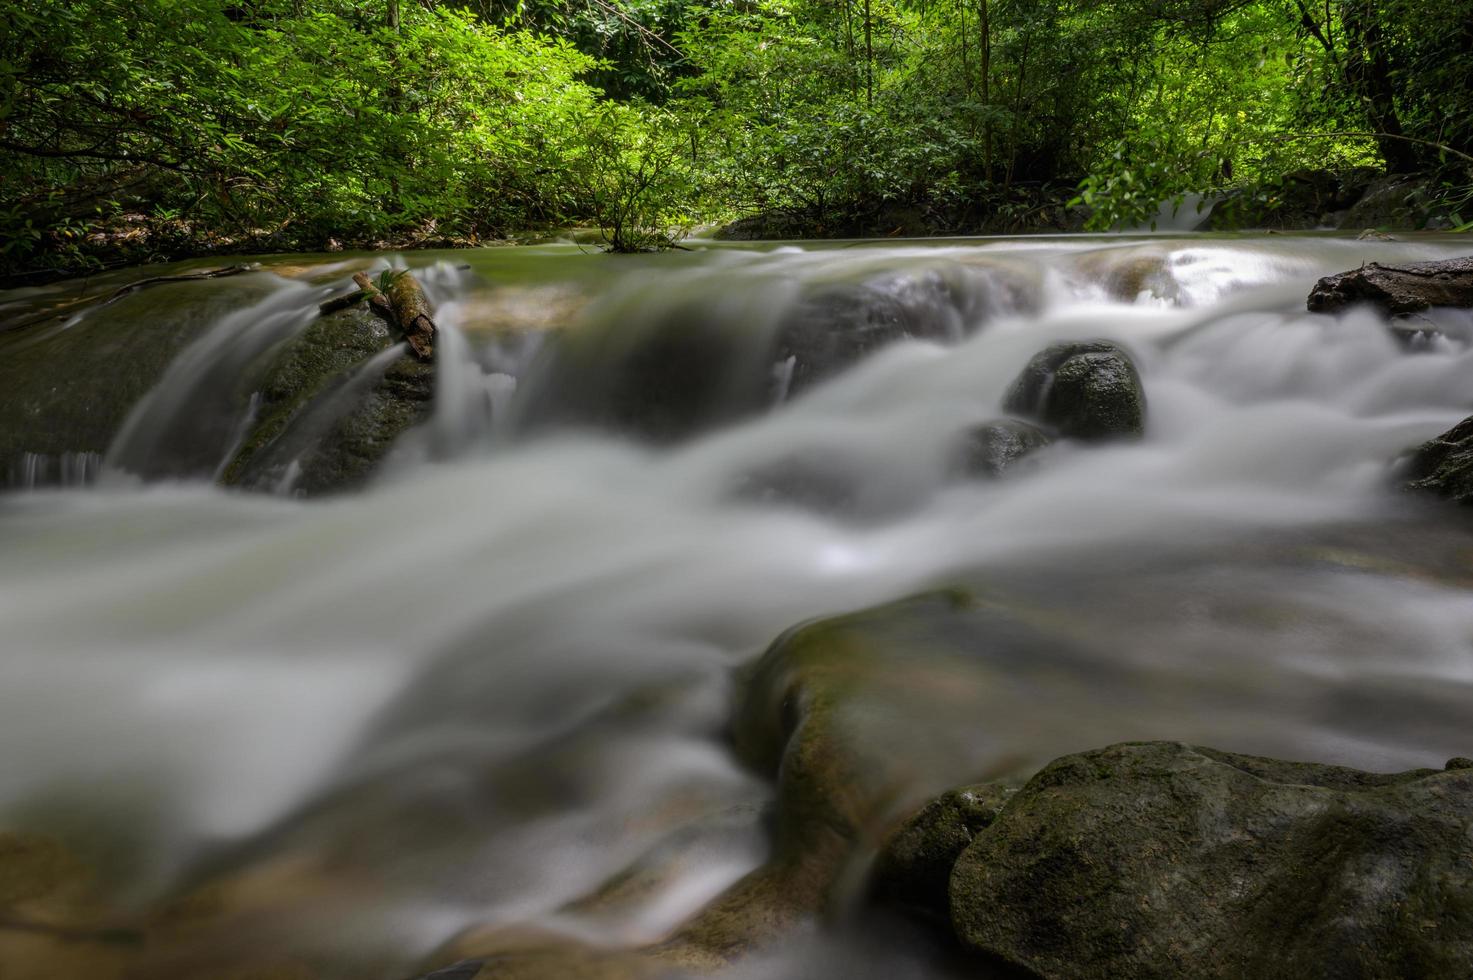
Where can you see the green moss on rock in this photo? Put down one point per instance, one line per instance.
(1087, 391)
(1157, 860)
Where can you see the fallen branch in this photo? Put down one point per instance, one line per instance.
(405, 307)
(117, 294)
(230, 270)
(341, 303)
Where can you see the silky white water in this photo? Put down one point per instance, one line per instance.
(439, 669)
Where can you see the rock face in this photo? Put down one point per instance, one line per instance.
(1301, 199)
(1444, 465)
(1165, 860)
(1087, 391)
(1397, 290)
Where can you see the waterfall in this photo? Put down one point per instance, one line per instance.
(498, 677)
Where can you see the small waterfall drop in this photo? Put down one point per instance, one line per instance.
(187, 425)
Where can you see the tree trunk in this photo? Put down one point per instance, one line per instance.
(1368, 73)
(985, 26)
(869, 57)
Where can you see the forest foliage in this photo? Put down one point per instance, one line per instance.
(186, 125)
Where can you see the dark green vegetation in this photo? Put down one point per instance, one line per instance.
(164, 127)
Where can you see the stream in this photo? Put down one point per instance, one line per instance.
(475, 691)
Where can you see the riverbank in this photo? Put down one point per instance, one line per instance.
(1358, 201)
(1305, 200)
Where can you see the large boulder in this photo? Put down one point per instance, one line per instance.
(1397, 290)
(1444, 465)
(1157, 859)
(1089, 391)
(1303, 199)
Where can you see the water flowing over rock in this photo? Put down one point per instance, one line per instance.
(67, 386)
(679, 364)
(994, 448)
(1159, 860)
(1086, 391)
(533, 703)
(332, 401)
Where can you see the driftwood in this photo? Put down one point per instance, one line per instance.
(404, 306)
(344, 302)
(1397, 290)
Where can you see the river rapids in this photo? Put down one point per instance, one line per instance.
(474, 692)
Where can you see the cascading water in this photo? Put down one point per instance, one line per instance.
(488, 684)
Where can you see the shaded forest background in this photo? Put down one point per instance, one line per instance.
(138, 129)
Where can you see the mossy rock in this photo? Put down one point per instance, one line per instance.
(328, 412)
(1164, 860)
(914, 867)
(1089, 391)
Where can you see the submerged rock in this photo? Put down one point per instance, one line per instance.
(840, 325)
(1397, 290)
(1087, 390)
(692, 361)
(992, 448)
(1444, 465)
(53, 922)
(1166, 860)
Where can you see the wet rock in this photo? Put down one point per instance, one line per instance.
(65, 391)
(1397, 290)
(1444, 465)
(331, 405)
(841, 325)
(1088, 391)
(691, 362)
(991, 449)
(863, 717)
(914, 868)
(1158, 860)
